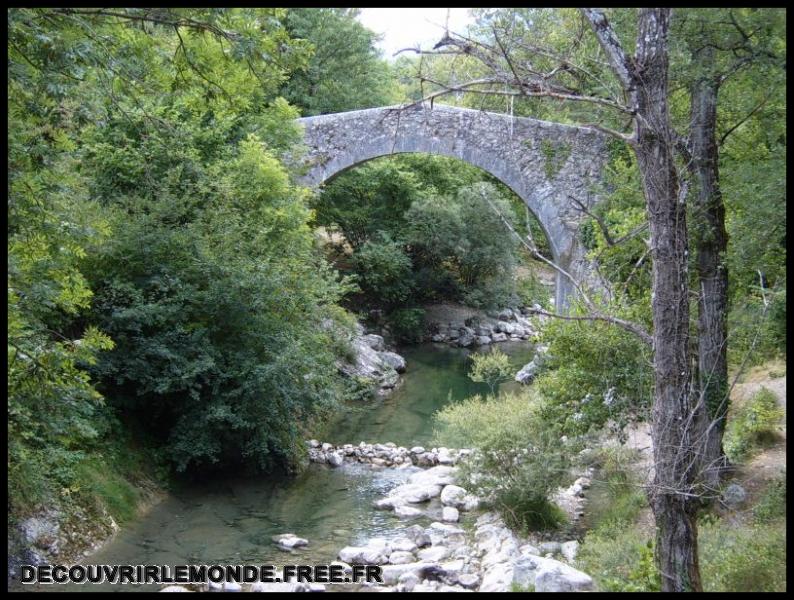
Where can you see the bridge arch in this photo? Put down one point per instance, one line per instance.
(545, 164)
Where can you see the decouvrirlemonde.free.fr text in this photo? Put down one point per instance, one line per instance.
(198, 574)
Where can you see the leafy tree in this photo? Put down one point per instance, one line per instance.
(366, 200)
(148, 206)
(345, 71)
(491, 367)
(384, 271)
(517, 462)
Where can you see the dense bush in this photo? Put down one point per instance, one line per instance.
(518, 461)
(384, 271)
(595, 373)
(748, 557)
(156, 242)
(407, 324)
(449, 218)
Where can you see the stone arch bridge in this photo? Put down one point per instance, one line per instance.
(545, 164)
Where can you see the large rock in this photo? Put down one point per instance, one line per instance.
(734, 496)
(335, 459)
(569, 550)
(528, 372)
(403, 544)
(401, 558)
(484, 329)
(450, 514)
(417, 535)
(440, 475)
(374, 341)
(363, 555)
(554, 576)
(466, 340)
(433, 553)
(407, 512)
(415, 493)
(453, 495)
(498, 578)
(394, 360)
(370, 364)
(288, 541)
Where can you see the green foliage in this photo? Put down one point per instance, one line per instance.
(518, 461)
(479, 260)
(772, 504)
(367, 200)
(490, 367)
(758, 332)
(754, 424)
(345, 71)
(221, 312)
(595, 373)
(407, 324)
(430, 204)
(384, 271)
(620, 560)
(748, 557)
(155, 241)
(531, 290)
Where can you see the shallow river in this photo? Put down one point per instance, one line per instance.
(232, 521)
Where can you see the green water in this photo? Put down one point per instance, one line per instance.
(232, 521)
(436, 375)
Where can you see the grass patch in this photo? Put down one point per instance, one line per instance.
(754, 426)
(734, 555)
(616, 553)
(98, 483)
(615, 498)
(743, 557)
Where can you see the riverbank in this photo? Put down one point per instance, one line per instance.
(73, 530)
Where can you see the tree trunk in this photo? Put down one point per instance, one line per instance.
(673, 420)
(710, 241)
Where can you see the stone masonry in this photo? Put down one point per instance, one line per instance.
(544, 163)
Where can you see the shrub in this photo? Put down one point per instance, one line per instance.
(619, 561)
(742, 558)
(407, 324)
(754, 424)
(518, 461)
(531, 290)
(490, 367)
(384, 270)
(595, 373)
(772, 504)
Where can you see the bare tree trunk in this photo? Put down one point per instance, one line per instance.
(711, 241)
(674, 433)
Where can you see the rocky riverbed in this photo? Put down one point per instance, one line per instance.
(506, 325)
(482, 554)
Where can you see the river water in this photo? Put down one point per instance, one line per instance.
(232, 521)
